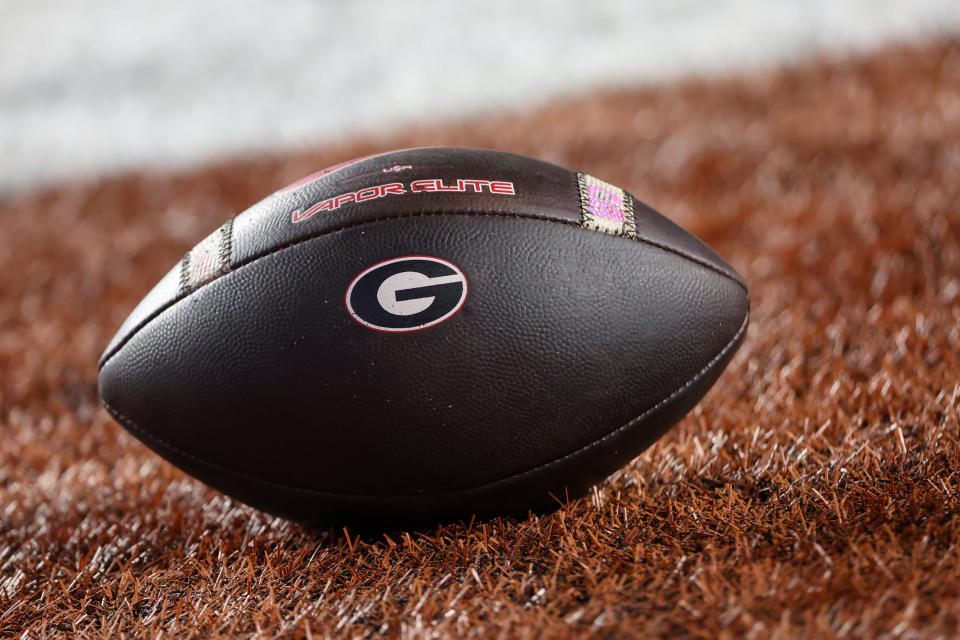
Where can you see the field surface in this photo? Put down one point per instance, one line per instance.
(815, 492)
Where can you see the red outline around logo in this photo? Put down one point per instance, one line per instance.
(450, 314)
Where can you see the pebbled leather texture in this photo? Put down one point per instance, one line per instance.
(573, 350)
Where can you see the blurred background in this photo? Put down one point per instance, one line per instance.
(98, 86)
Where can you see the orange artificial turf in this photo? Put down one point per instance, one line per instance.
(815, 492)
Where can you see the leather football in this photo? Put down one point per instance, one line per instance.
(423, 336)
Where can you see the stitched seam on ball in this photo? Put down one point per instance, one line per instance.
(477, 212)
(131, 425)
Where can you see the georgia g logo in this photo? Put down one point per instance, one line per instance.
(406, 294)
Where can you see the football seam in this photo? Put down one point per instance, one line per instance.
(146, 436)
(471, 212)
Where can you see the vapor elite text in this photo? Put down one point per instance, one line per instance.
(462, 185)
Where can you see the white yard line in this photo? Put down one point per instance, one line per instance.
(103, 85)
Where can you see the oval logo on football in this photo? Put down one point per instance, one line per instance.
(406, 294)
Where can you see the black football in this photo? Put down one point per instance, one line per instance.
(424, 335)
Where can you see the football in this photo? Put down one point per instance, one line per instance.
(422, 336)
